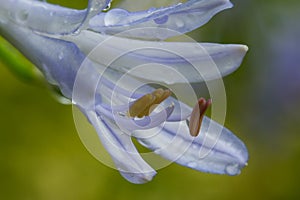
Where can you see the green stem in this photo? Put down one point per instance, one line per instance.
(17, 63)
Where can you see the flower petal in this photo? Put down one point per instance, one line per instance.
(181, 60)
(48, 18)
(147, 122)
(121, 101)
(120, 147)
(58, 60)
(215, 150)
(181, 18)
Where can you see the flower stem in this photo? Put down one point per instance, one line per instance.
(18, 64)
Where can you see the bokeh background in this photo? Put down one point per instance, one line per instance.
(42, 157)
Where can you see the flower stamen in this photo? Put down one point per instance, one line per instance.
(197, 116)
(147, 103)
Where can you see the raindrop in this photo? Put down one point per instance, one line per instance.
(150, 10)
(77, 32)
(192, 164)
(107, 7)
(157, 151)
(51, 13)
(3, 20)
(22, 16)
(161, 20)
(179, 23)
(100, 117)
(232, 169)
(60, 55)
(114, 16)
(58, 96)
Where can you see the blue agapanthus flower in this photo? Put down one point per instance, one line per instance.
(58, 40)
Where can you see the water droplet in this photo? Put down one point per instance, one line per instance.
(58, 96)
(3, 20)
(100, 117)
(51, 14)
(115, 16)
(107, 7)
(192, 164)
(232, 169)
(161, 20)
(194, 146)
(77, 32)
(157, 151)
(179, 23)
(150, 10)
(22, 16)
(60, 55)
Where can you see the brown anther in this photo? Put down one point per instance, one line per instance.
(137, 108)
(160, 96)
(197, 116)
(145, 108)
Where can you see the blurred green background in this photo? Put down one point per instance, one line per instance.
(42, 157)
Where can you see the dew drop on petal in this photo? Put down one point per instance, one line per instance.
(76, 32)
(150, 10)
(58, 96)
(3, 20)
(192, 164)
(161, 20)
(22, 16)
(179, 23)
(107, 7)
(114, 16)
(232, 169)
(60, 55)
(157, 151)
(101, 117)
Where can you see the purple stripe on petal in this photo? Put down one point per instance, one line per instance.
(194, 61)
(114, 88)
(119, 145)
(213, 152)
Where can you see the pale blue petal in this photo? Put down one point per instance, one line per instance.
(125, 93)
(48, 18)
(147, 122)
(215, 150)
(45, 53)
(119, 145)
(182, 61)
(181, 18)
(58, 60)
